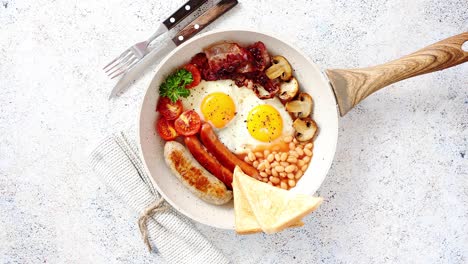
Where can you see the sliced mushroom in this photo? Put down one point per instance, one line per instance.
(301, 107)
(305, 128)
(288, 90)
(279, 68)
(260, 90)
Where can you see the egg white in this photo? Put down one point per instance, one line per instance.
(235, 135)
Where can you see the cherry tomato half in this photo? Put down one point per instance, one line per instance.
(188, 123)
(168, 109)
(195, 75)
(166, 129)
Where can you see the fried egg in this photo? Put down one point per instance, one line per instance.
(241, 120)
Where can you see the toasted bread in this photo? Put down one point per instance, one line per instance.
(246, 223)
(275, 209)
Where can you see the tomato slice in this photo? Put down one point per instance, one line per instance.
(166, 129)
(196, 76)
(168, 109)
(188, 123)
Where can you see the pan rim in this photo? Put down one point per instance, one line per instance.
(235, 30)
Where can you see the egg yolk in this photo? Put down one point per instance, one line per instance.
(264, 123)
(218, 108)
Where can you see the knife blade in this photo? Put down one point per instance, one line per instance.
(167, 45)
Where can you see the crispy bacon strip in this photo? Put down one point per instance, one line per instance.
(227, 58)
(243, 65)
(261, 58)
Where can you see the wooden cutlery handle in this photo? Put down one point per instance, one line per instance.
(351, 86)
(204, 20)
(182, 13)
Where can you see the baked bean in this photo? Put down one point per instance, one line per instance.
(275, 180)
(308, 152)
(278, 168)
(251, 156)
(284, 164)
(292, 159)
(284, 185)
(267, 164)
(298, 174)
(263, 174)
(261, 166)
(268, 171)
(290, 175)
(304, 168)
(255, 164)
(293, 153)
(277, 157)
(259, 154)
(292, 146)
(274, 173)
(288, 139)
(291, 183)
(284, 156)
(290, 168)
(270, 157)
(274, 164)
(266, 153)
(283, 174)
(300, 162)
(295, 141)
(299, 151)
(309, 145)
(246, 159)
(306, 159)
(264, 179)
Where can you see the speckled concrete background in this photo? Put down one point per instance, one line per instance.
(397, 191)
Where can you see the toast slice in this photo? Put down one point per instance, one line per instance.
(245, 220)
(275, 209)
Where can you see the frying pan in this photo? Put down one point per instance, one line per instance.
(335, 92)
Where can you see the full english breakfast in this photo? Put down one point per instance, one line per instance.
(235, 108)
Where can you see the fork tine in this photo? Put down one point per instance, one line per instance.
(127, 66)
(120, 62)
(118, 57)
(124, 68)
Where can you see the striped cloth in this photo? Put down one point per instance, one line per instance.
(118, 165)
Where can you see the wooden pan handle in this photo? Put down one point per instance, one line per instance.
(352, 86)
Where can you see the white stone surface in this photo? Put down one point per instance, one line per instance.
(397, 191)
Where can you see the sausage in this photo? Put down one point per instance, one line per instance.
(208, 161)
(223, 154)
(193, 176)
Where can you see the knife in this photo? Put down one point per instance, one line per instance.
(178, 16)
(168, 44)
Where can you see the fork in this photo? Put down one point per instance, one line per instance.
(166, 45)
(135, 53)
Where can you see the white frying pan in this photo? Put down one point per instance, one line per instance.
(342, 88)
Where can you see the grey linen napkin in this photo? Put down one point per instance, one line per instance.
(118, 165)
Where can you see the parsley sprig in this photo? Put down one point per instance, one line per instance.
(174, 85)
